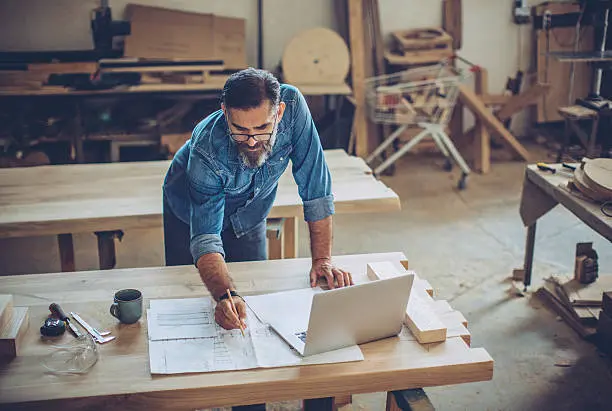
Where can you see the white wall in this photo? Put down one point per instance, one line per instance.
(491, 39)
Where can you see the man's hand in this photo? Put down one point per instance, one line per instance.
(324, 268)
(225, 316)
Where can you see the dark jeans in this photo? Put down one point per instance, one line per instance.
(249, 247)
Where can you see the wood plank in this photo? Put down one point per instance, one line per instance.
(586, 294)
(453, 21)
(6, 309)
(12, 335)
(358, 74)
(482, 141)
(472, 101)
(422, 321)
(122, 377)
(63, 68)
(522, 101)
(420, 318)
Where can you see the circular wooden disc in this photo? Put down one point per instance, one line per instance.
(598, 173)
(316, 56)
(583, 185)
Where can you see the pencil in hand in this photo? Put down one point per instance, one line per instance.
(235, 311)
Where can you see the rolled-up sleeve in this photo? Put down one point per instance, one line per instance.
(310, 170)
(207, 199)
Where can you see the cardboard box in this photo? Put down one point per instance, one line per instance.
(160, 33)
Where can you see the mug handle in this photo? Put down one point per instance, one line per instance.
(114, 310)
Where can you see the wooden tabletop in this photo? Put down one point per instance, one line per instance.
(555, 188)
(111, 196)
(121, 378)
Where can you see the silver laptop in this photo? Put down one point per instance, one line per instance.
(347, 316)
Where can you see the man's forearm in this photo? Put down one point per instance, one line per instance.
(321, 238)
(214, 274)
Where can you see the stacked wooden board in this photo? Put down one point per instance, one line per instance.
(428, 320)
(14, 323)
(593, 179)
(578, 304)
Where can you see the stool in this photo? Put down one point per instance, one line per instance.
(572, 115)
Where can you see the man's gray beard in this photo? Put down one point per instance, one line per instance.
(256, 162)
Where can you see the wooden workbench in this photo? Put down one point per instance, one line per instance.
(66, 199)
(121, 378)
(543, 191)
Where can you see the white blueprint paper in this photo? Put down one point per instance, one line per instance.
(225, 350)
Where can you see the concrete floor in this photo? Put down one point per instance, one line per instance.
(466, 244)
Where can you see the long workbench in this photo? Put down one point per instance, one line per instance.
(103, 198)
(121, 378)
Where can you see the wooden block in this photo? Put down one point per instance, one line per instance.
(607, 303)
(6, 309)
(420, 316)
(423, 321)
(471, 100)
(383, 269)
(386, 269)
(12, 335)
(586, 295)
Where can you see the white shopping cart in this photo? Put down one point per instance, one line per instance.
(424, 97)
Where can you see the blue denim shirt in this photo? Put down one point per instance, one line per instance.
(208, 187)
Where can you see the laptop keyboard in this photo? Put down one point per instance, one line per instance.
(301, 336)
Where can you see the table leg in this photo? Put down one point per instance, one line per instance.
(529, 251)
(78, 135)
(290, 234)
(593, 139)
(319, 404)
(66, 250)
(411, 400)
(106, 248)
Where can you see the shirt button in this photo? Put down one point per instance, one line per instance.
(281, 159)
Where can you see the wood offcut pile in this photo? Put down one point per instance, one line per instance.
(428, 320)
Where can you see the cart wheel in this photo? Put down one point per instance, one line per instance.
(448, 165)
(462, 182)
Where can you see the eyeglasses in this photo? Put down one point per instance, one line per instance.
(260, 137)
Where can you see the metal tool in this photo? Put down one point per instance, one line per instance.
(94, 333)
(546, 167)
(59, 313)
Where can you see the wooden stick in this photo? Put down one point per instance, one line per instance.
(235, 311)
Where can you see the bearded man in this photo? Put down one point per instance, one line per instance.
(222, 183)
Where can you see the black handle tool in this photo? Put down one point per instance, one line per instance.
(59, 313)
